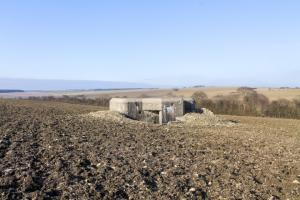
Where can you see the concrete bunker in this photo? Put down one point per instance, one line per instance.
(156, 110)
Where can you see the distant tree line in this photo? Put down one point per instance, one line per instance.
(246, 101)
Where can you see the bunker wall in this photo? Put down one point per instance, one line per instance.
(172, 109)
(167, 109)
(119, 107)
(129, 107)
(152, 104)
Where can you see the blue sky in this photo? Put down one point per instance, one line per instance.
(166, 42)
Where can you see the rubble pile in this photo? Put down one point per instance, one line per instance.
(109, 115)
(205, 117)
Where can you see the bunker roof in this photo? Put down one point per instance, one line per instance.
(146, 100)
(125, 100)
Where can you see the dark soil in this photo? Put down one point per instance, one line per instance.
(49, 151)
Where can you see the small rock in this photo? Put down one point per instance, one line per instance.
(296, 182)
(8, 170)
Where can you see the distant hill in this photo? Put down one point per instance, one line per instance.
(39, 84)
(10, 91)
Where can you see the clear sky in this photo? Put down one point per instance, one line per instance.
(176, 42)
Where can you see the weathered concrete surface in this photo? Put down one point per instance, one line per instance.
(152, 104)
(167, 108)
(128, 106)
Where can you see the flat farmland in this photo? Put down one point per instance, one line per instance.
(271, 93)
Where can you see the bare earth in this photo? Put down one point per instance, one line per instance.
(55, 151)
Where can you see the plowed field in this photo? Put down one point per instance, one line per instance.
(51, 151)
